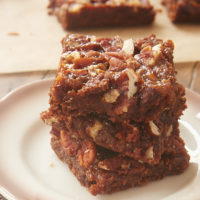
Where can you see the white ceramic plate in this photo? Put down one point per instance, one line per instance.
(29, 169)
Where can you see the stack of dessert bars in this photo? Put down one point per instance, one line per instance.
(114, 110)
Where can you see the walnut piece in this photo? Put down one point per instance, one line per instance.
(150, 60)
(147, 48)
(70, 145)
(51, 120)
(132, 88)
(70, 57)
(154, 128)
(94, 130)
(111, 96)
(94, 70)
(86, 154)
(149, 153)
(102, 165)
(128, 47)
(156, 50)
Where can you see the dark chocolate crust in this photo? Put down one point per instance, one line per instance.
(182, 11)
(80, 14)
(103, 171)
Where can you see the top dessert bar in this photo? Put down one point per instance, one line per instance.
(122, 79)
(183, 10)
(95, 13)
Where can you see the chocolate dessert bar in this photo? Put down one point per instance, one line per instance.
(122, 79)
(142, 141)
(183, 10)
(103, 171)
(114, 110)
(94, 13)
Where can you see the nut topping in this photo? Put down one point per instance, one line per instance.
(154, 128)
(94, 130)
(86, 154)
(128, 47)
(156, 50)
(70, 57)
(149, 153)
(111, 96)
(147, 48)
(132, 80)
(101, 165)
(93, 70)
(51, 120)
